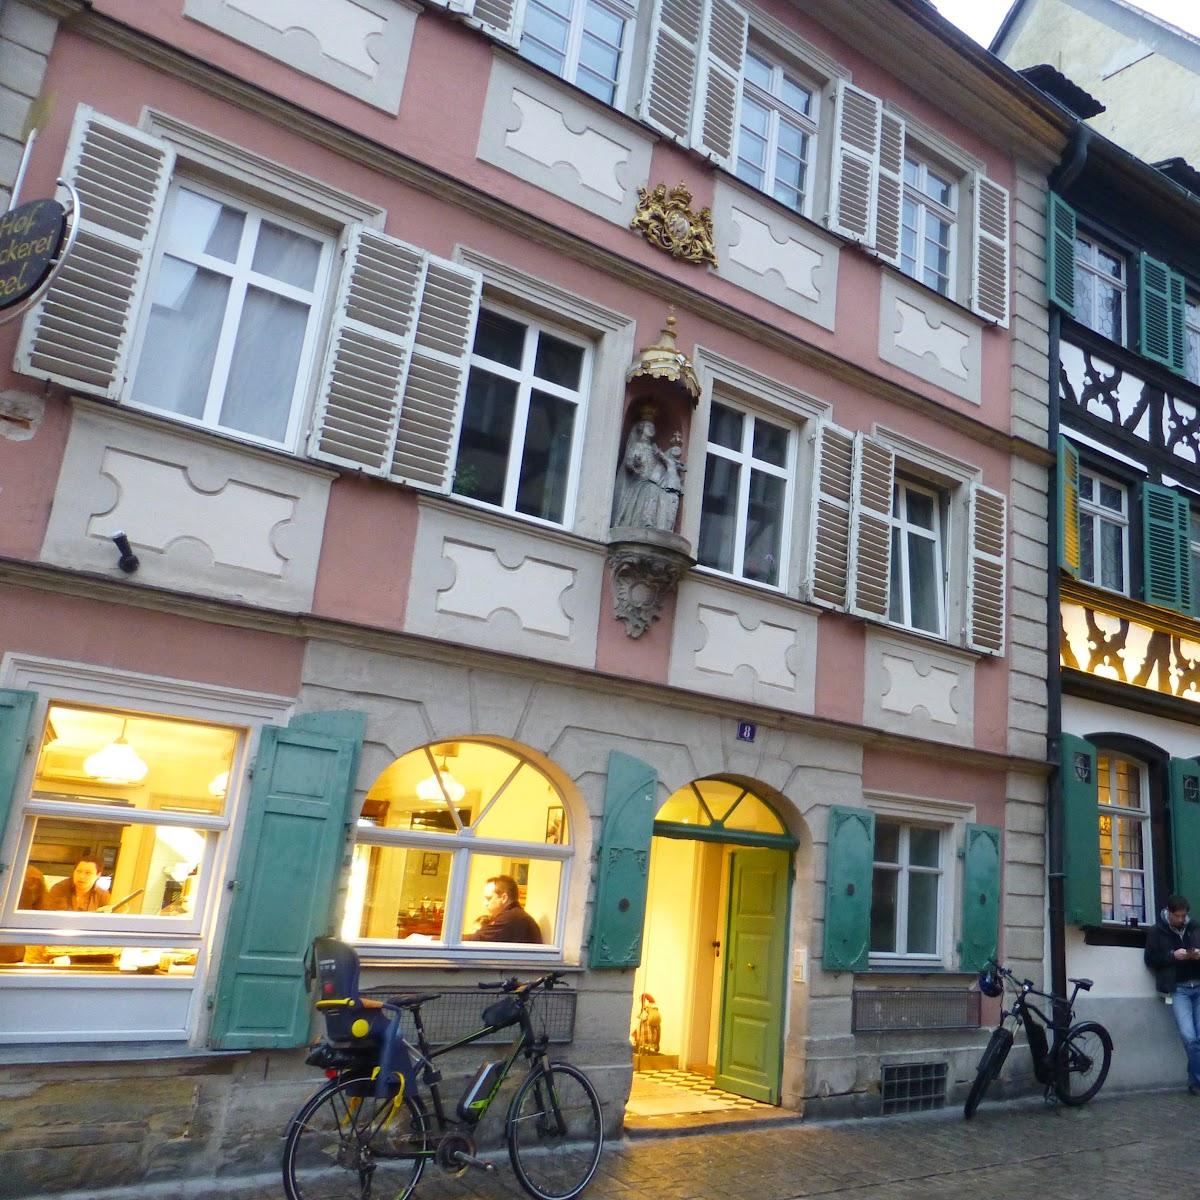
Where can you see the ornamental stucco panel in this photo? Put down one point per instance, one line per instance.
(775, 256)
(912, 688)
(535, 128)
(202, 516)
(929, 338)
(505, 585)
(743, 646)
(357, 46)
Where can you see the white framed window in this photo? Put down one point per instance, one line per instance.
(436, 827)
(746, 507)
(1103, 532)
(777, 130)
(1101, 279)
(929, 224)
(523, 417)
(585, 42)
(917, 598)
(907, 898)
(1191, 336)
(1126, 868)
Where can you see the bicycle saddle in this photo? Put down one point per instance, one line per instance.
(411, 1002)
(1085, 985)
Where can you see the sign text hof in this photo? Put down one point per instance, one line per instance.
(30, 238)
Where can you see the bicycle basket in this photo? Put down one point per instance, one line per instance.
(505, 1011)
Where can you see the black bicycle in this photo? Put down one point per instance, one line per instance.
(367, 1133)
(1072, 1065)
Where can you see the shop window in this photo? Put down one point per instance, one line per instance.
(435, 828)
(906, 891)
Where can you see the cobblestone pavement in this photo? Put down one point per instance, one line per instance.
(1134, 1147)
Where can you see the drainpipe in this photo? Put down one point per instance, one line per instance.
(1059, 180)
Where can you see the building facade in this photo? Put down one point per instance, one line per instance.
(624, 469)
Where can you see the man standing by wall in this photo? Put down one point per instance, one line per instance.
(1173, 953)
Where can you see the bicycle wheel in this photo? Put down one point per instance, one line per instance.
(555, 1132)
(346, 1144)
(1083, 1061)
(990, 1063)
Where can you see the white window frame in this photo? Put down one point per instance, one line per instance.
(904, 869)
(1191, 337)
(1086, 262)
(571, 55)
(904, 484)
(925, 206)
(1097, 514)
(1140, 815)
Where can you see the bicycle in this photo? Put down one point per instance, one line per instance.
(366, 1134)
(1073, 1066)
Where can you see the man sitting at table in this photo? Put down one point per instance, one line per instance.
(79, 893)
(504, 920)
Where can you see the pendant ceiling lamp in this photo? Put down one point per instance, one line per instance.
(441, 784)
(118, 763)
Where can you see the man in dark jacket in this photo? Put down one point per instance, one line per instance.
(1173, 952)
(504, 919)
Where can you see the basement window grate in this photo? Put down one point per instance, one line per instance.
(912, 1087)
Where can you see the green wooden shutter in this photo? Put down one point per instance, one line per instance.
(292, 848)
(1177, 297)
(981, 897)
(849, 864)
(1069, 546)
(1185, 828)
(1166, 548)
(16, 713)
(623, 863)
(1161, 325)
(1081, 830)
(1060, 253)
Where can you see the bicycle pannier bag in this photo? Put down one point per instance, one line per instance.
(504, 1012)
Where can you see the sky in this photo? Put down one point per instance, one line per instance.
(981, 18)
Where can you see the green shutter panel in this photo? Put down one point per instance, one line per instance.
(849, 864)
(1166, 548)
(1060, 253)
(981, 898)
(1160, 328)
(292, 848)
(16, 713)
(623, 863)
(1081, 830)
(1177, 310)
(1185, 829)
(1068, 508)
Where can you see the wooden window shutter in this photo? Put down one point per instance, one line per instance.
(623, 863)
(1177, 312)
(987, 570)
(720, 80)
(1060, 253)
(1185, 827)
(16, 716)
(1068, 508)
(828, 552)
(981, 898)
(889, 206)
(849, 868)
(499, 18)
(989, 262)
(871, 528)
(80, 333)
(292, 848)
(1161, 321)
(464, 8)
(855, 163)
(1166, 548)
(676, 29)
(1081, 830)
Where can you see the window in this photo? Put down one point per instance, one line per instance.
(1191, 336)
(777, 132)
(522, 418)
(1124, 840)
(1100, 283)
(929, 223)
(234, 316)
(1103, 532)
(583, 41)
(747, 496)
(906, 890)
(435, 827)
(917, 587)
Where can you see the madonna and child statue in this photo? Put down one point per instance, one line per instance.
(651, 479)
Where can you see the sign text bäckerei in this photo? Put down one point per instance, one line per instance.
(30, 238)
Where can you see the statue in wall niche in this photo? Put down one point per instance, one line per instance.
(671, 484)
(652, 479)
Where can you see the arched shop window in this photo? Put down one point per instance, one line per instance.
(435, 826)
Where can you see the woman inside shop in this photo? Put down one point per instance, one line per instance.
(79, 893)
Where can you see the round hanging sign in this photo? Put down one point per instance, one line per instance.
(30, 239)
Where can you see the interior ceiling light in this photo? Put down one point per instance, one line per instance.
(219, 785)
(118, 763)
(431, 789)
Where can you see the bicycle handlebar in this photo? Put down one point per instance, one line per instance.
(512, 984)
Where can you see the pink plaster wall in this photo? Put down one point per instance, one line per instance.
(939, 777)
(29, 469)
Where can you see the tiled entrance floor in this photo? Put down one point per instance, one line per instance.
(683, 1099)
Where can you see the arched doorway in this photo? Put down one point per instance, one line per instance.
(715, 944)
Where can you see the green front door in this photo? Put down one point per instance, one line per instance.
(752, 993)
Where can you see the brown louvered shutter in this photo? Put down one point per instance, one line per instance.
(829, 523)
(855, 163)
(871, 528)
(986, 579)
(675, 34)
(889, 206)
(989, 267)
(720, 86)
(437, 375)
(497, 17)
(80, 333)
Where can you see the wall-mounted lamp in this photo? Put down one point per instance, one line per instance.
(128, 562)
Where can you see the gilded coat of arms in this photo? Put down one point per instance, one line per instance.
(665, 219)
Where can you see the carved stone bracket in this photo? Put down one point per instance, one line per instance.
(646, 566)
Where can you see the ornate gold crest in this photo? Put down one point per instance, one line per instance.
(665, 219)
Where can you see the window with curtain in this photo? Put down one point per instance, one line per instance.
(928, 232)
(586, 42)
(1126, 875)
(1101, 277)
(1103, 532)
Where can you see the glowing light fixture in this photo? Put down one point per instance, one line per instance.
(441, 784)
(118, 763)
